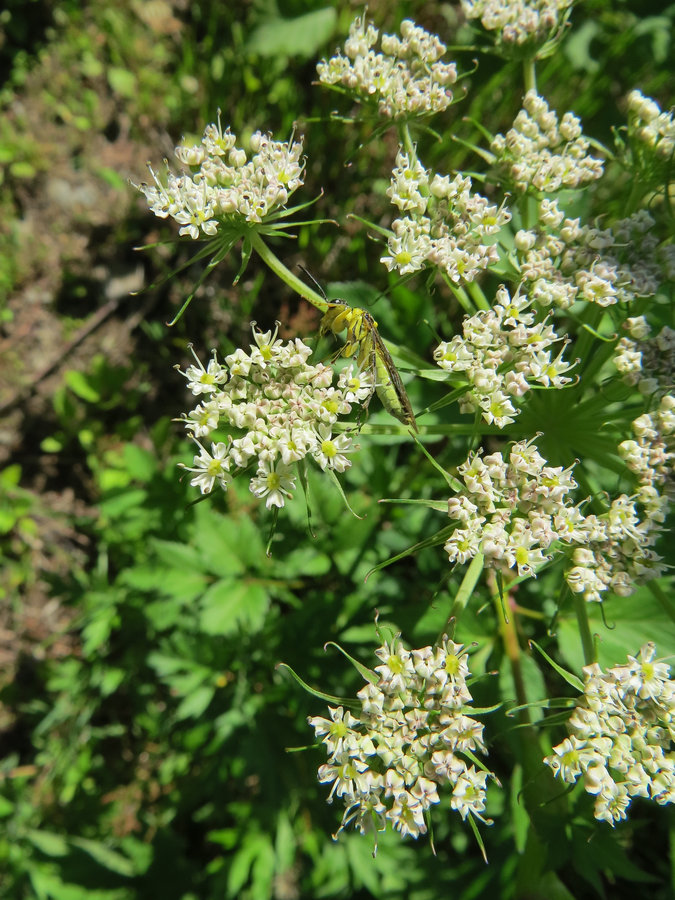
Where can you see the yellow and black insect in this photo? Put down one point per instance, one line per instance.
(365, 344)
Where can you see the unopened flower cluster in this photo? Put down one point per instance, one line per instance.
(283, 410)
(645, 360)
(543, 153)
(502, 352)
(518, 22)
(443, 223)
(563, 261)
(224, 184)
(621, 736)
(411, 739)
(654, 129)
(405, 77)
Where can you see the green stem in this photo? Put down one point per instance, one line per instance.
(407, 141)
(529, 75)
(546, 810)
(467, 586)
(295, 283)
(581, 610)
(477, 295)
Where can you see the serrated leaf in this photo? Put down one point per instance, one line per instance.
(230, 606)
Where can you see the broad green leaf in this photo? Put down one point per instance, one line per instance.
(140, 464)
(301, 36)
(229, 607)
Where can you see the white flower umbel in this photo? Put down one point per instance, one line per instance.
(511, 510)
(563, 262)
(276, 408)
(519, 23)
(502, 353)
(618, 554)
(541, 153)
(445, 225)
(519, 512)
(409, 743)
(405, 78)
(621, 736)
(224, 187)
(647, 361)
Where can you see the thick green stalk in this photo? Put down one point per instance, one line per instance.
(275, 264)
(539, 793)
(581, 611)
(467, 586)
(529, 75)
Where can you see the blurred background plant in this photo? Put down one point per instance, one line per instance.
(143, 726)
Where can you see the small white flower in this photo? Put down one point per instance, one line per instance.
(210, 467)
(274, 483)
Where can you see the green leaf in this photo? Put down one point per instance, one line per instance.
(571, 679)
(80, 385)
(105, 857)
(196, 703)
(301, 36)
(321, 695)
(366, 673)
(231, 606)
(176, 555)
(123, 82)
(140, 464)
(48, 842)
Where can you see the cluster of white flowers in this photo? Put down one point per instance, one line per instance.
(563, 261)
(542, 153)
(283, 409)
(518, 21)
(649, 457)
(618, 554)
(444, 224)
(512, 511)
(406, 77)
(647, 361)
(621, 736)
(651, 127)
(224, 185)
(411, 738)
(502, 353)
(519, 513)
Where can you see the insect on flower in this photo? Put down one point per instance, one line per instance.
(366, 345)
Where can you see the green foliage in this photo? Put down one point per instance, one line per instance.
(152, 743)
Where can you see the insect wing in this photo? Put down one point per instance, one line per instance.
(389, 386)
